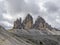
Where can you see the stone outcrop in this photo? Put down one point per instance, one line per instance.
(28, 22)
(17, 24)
(39, 23)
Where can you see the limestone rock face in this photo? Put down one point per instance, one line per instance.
(39, 23)
(28, 22)
(17, 24)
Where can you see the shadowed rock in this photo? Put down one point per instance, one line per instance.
(39, 23)
(28, 22)
(18, 24)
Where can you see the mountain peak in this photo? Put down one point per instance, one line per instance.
(28, 23)
(17, 24)
(39, 23)
(40, 19)
(29, 17)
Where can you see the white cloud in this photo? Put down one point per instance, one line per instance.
(1, 0)
(12, 9)
(26, 1)
(7, 17)
(6, 24)
(58, 21)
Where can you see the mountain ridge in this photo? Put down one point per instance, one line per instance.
(27, 23)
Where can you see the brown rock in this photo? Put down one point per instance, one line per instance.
(28, 22)
(39, 23)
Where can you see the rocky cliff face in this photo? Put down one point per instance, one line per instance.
(39, 23)
(28, 23)
(17, 24)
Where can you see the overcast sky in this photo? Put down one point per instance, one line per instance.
(12, 9)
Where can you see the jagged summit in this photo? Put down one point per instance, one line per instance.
(18, 24)
(39, 23)
(29, 16)
(40, 19)
(28, 23)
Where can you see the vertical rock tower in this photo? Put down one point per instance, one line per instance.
(39, 23)
(28, 22)
(18, 24)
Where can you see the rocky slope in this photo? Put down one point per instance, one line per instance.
(24, 37)
(7, 38)
(28, 37)
(39, 37)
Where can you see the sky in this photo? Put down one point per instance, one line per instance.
(10, 10)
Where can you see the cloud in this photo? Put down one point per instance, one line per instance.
(7, 17)
(51, 7)
(20, 8)
(12, 9)
(6, 24)
(51, 12)
(17, 6)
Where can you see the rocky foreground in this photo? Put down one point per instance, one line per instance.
(31, 37)
(7, 38)
(28, 37)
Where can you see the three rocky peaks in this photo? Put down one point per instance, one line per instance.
(27, 23)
